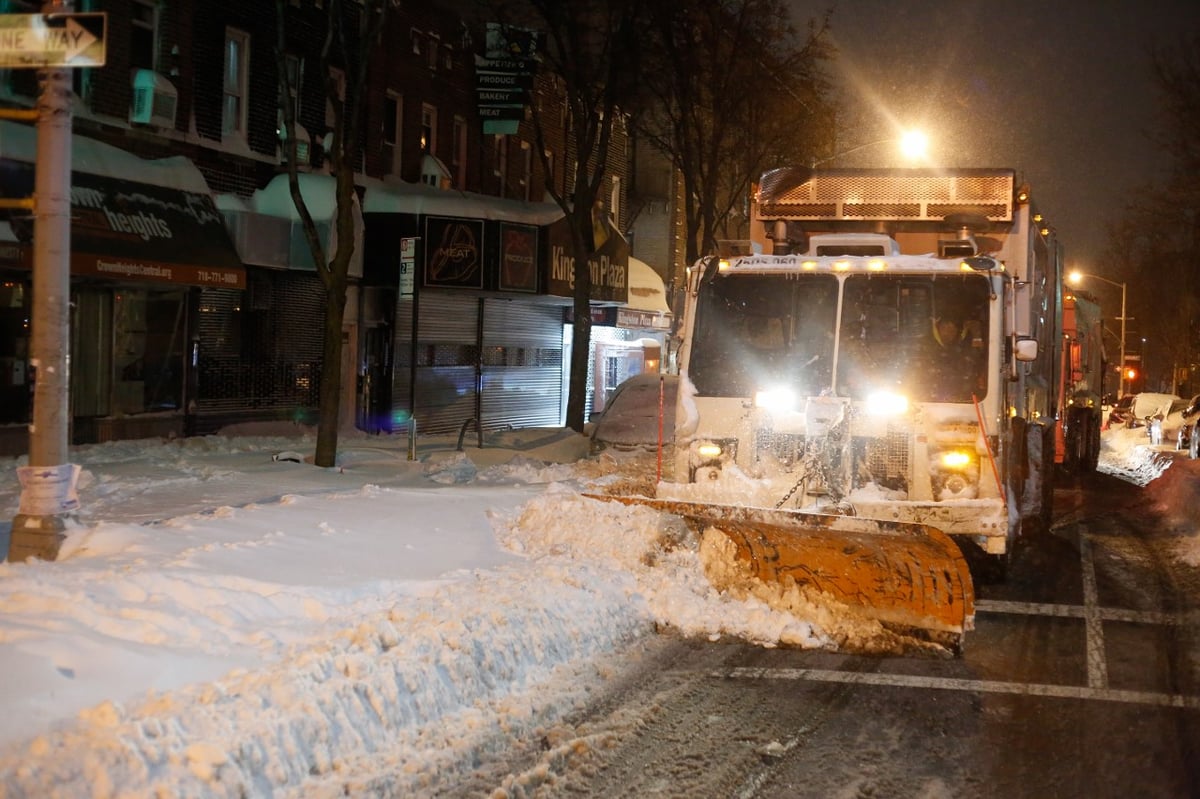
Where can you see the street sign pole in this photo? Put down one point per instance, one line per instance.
(48, 501)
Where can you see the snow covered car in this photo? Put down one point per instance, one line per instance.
(1182, 426)
(1119, 413)
(630, 419)
(1167, 422)
(1146, 406)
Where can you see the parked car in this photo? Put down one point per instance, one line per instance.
(1136, 410)
(1119, 413)
(1173, 423)
(630, 419)
(1183, 426)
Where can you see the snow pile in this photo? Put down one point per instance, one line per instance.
(229, 624)
(273, 628)
(1172, 483)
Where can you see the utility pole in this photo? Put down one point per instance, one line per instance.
(48, 501)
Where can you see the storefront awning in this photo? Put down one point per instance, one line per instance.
(647, 307)
(163, 227)
(646, 289)
(417, 199)
(267, 230)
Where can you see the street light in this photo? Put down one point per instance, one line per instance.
(1076, 277)
(913, 145)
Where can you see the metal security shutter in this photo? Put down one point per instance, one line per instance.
(522, 368)
(447, 352)
(220, 351)
(261, 349)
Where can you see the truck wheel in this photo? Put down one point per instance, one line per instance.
(1093, 461)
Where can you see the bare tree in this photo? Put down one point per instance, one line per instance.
(1152, 247)
(353, 30)
(591, 47)
(732, 91)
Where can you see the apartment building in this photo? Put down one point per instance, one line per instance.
(195, 300)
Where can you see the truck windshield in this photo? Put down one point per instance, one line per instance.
(923, 335)
(757, 331)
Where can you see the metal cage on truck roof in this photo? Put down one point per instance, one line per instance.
(897, 195)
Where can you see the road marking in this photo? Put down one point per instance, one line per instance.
(1074, 611)
(1097, 665)
(960, 684)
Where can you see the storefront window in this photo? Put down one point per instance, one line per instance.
(149, 344)
(128, 351)
(15, 396)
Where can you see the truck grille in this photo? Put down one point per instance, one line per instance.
(883, 461)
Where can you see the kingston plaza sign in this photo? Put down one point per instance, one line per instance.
(608, 263)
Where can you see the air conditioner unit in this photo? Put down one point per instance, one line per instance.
(303, 146)
(154, 99)
(434, 172)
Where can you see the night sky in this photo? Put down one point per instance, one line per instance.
(1061, 91)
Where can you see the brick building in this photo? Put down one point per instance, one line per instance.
(222, 324)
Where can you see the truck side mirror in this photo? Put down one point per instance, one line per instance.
(1026, 349)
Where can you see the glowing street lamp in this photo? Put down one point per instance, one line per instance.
(913, 145)
(1076, 277)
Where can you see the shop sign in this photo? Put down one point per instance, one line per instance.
(504, 77)
(642, 320)
(136, 231)
(608, 264)
(518, 258)
(453, 253)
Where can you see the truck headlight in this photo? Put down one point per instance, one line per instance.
(886, 403)
(955, 459)
(708, 456)
(955, 474)
(776, 400)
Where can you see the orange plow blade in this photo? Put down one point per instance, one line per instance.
(911, 578)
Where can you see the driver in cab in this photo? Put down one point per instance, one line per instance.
(953, 367)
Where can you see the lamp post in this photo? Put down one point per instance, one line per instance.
(1076, 277)
(913, 145)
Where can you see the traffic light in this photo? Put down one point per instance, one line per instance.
(1131, 373)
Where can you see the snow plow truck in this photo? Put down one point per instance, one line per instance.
(887, 376)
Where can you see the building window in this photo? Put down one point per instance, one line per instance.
(294, 66)
(338, 78)
(428, 129)
(295, 77)
(237, 62)
(433, 52)
(501, 161)
(393, 123)
(527, 181)
(614, 201)
(458, 159)
(143, 35)
(447, 58)
(416, 41)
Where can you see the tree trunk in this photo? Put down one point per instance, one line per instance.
(581, 333)
(331, 378)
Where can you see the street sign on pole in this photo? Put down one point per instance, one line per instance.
(52, 40)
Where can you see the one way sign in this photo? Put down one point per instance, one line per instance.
(52, 40)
